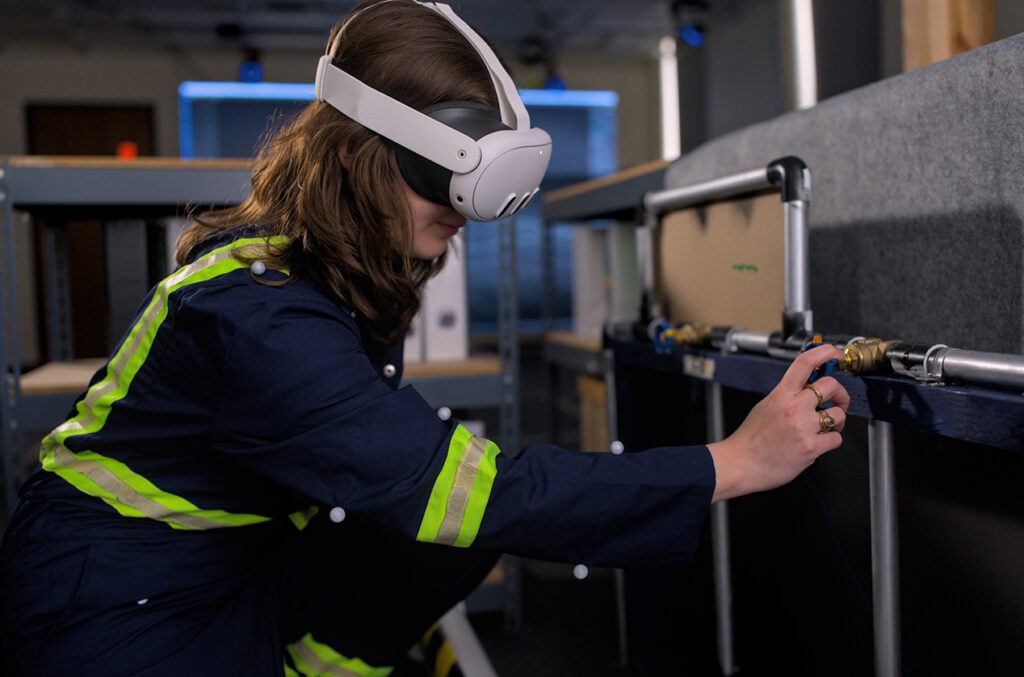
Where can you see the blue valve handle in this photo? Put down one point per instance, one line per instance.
(662, 338)
(827, 369)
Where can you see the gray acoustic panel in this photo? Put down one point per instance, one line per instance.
(917, 213)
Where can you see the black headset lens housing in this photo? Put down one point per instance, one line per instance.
(429, 179)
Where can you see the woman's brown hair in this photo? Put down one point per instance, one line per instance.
(350, 230)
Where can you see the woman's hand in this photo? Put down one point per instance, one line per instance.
(781, 435)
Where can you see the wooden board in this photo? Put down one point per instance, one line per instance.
(573, 340)
(101, 162)
(583, 187)
(935, 30)
(474, 366)
(60, 377)
(991, 416)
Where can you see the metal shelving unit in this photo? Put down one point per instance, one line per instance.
(614, 197)
(162, 186)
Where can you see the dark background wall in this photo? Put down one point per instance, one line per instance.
(737, 78)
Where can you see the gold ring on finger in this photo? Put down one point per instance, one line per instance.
(825, 422)
(814, 389)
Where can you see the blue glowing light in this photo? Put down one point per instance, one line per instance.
(692, 36)
(555, 82)
(250, 71)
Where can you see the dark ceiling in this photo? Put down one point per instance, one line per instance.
(566, 26)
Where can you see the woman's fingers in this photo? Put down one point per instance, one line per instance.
(796, 376)
(830, 389)
(838, 415)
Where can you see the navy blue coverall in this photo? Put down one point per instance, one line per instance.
(244, 489)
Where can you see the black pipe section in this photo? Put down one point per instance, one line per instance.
(791, 176)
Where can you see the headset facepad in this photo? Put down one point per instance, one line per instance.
(486, 163)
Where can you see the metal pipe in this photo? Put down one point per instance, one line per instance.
(11, 437)
(978, 367)
(884, 549)
(751, 341)
(797, 277)
(658, 202)
(620, 576)
(720, 543)
(472, 658)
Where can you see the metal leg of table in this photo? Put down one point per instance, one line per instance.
(10, 354)
(509, 430)
(884, 549)
(720, 543)
(620, 575)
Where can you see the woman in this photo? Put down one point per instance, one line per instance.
(244, 490)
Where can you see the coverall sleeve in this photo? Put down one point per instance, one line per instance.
(304, 406)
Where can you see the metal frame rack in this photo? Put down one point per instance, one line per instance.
(744, 361)
(164, 186)
(614, 197)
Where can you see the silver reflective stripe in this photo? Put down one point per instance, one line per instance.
(124, 493)
(142, 327)
(465, 475)
(306, 654)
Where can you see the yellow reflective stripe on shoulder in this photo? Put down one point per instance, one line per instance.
(93, 409)
(108, 479)
(314, 659)
(459, 498)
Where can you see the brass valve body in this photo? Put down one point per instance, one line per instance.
(866, 356)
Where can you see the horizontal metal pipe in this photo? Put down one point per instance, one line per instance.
(657, 202)
(977, 367)
(970, 366)
(751, 341)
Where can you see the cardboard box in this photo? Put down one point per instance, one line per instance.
(414, 344)
(723, 264)
(593, 413)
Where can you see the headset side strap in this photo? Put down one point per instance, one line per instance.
(396, 121)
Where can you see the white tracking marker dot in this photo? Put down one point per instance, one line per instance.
(444, 413)
(337, 514)
(617, 447)
(258, 267)
(580, 571)
(143, 601)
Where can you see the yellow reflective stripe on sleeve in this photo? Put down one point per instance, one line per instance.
(113, 481)
(301, 518)
(459, 497)
(314, 659)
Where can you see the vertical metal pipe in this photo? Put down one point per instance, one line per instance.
(56, 267)
(801, 58)
(508, 348)
(797, 257)
(884, 549)
(720, 543)
(548, 276)
(10, 354)
(620, 576)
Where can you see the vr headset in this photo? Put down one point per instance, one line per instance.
(487, 164)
